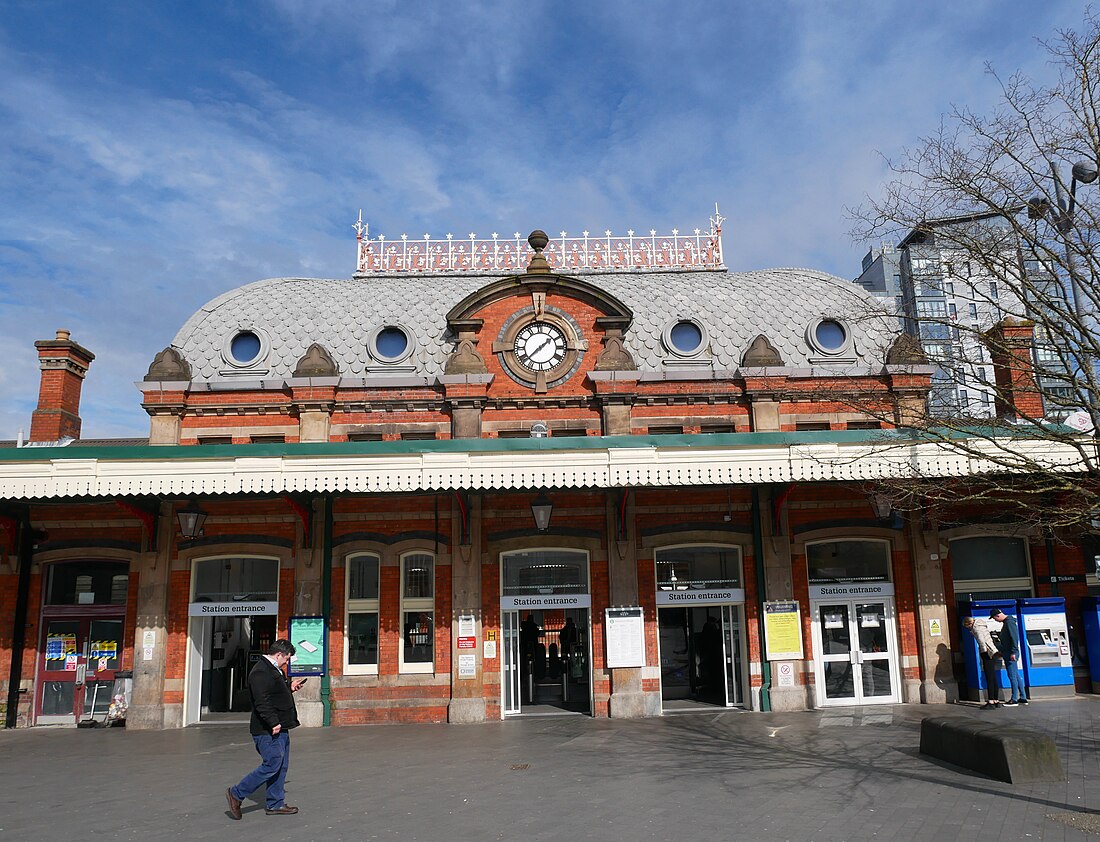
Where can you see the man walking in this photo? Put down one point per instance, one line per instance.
(1008, 643)
(273, 715)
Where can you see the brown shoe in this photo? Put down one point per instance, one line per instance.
(285, 810)
(234, 804)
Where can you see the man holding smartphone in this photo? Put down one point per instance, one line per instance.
(273, 715)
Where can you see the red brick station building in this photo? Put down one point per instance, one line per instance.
(491, 478)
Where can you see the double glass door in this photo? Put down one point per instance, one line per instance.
(855, 643)
(545, 661)
(77, 669)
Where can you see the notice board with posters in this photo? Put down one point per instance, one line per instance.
(783, 631)
(311, 645)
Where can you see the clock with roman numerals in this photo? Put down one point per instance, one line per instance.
(540, 346)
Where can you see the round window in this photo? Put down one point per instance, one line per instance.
(686, 337)
(830, 335)
(245, 347)
(391, 343)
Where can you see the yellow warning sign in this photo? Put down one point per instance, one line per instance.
(934, 628)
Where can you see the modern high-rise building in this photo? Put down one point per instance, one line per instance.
(948, 297)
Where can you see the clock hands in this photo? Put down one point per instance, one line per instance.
(547, 341)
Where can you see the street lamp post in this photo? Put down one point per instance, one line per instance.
(1062, 217)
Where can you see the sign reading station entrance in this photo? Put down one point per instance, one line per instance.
(851, 590)
(701, 597)
(231, 609)
(517, 603)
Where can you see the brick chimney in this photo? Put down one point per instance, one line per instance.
(1010, 344)
(63, 364)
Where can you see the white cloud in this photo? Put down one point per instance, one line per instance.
(128, 207)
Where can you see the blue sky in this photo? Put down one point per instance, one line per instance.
(155, 155)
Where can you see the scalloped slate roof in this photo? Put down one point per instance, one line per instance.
(340, 314)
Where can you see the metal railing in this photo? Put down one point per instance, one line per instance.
(508, 255)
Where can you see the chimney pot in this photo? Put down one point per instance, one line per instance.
(64, 335)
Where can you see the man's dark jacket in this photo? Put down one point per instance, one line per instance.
(272, 701)
(1008, 641)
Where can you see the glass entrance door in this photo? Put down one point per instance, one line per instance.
(510, 661)
(223, 652)
(545, 661)
(77, 671)
(855, 644)
(731, 642)
(701, 656)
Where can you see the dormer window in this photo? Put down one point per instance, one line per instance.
(686, 337)
(244, 351)
(245, 347)
(830, 335)
(391, 343)
(687, 343)
(830, 341)
(390, 347)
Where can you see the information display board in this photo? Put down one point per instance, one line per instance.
(625, 637)
(783, 631)
(310, 642)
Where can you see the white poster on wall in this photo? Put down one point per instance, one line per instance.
(467, 666)
(625, 637)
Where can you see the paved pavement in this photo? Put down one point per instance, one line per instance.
(850, 774)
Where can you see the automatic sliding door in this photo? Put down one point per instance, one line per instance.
(731, 641)
(511, 661)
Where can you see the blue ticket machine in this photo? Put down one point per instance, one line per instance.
(1090, 615)
(1048, 665)
(975, 677)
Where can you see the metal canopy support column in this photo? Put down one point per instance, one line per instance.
(326, 610)
(24, 544)
(761, 596)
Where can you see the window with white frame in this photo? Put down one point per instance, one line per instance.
(418, 612)
(361, 614)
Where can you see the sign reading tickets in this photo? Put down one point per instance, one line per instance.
(625, 637)
(310, 642)
(783, 631)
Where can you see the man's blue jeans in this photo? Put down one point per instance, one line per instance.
(275, 751)
(1015, 685)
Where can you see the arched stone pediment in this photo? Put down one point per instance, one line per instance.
(906, 350)
(761, 353)
(169, 364)
(316, 362)
(525, 285)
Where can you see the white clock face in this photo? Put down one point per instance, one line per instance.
(540, 346)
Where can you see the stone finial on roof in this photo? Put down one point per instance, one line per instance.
(906, 350)
(465, 359)
(538, 265)
(316, 362)
(761, 353)
(615, 356)
(169, 364)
